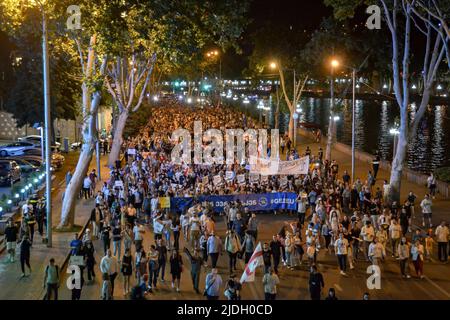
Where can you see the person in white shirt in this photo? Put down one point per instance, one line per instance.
(426, 210)
(368, 234)
(395, 233)
(376, 252)
(184, 220)
(270, 282)
(108, 268)
(403, 256)
(87, 183)
(442, 238)
(341, 249)
(194, 225)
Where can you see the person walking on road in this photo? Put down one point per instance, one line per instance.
(196, 267)
(417, 252)
(270, 282)
(316, 283)
(214, 247)
(127, 270)
(426, 210)
(341, 247)
(213, 283)
(51, 280)
(176, 268)
(233, 247)
(25, 251)
(108, 268)
(431, 184)
(403, 257)
(442, 238)
(11, 240)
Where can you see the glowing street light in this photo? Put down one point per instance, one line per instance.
(155, 98)
(394, 131)
(334, 63)
(189, 100)
(336, 118)
(273, 65)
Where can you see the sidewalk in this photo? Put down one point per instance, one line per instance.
(13, 287)
(441, 206)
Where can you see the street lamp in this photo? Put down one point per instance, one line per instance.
(47, 123)
(334, 64)
(212, 54)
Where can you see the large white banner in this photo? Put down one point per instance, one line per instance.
(263, 166)
(299, 166)
(274, 167)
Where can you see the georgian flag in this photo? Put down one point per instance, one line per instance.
(255, 261)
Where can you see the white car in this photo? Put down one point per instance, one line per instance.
(36, 140)
(15, 148)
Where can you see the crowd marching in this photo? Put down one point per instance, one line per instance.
(353, 221)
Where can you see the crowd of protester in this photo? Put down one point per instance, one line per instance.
(356, 222)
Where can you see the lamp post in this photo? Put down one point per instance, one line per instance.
(47, 119)
(334, 64)
(212, 54)
(295, 116)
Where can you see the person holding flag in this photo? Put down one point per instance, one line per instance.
(255, 261)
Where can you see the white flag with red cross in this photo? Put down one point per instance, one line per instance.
(255, 261)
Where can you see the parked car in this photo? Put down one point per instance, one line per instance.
(34, 160)
(14, 148)
(57, 160)
(36, 140)
(34, 152)
(25, 166)
(75, 145)
(9, 172)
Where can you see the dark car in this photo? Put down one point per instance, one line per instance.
(33, 152)
(25, 165)
(34, 160)
(9, 172)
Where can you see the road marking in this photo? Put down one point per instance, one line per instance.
(443, 291)
(338, 287)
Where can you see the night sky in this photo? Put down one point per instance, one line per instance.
(294, 15)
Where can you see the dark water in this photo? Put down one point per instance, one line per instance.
(430, 148)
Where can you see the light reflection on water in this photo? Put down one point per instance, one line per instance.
(427, 150)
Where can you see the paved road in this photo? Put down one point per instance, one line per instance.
(294, 284)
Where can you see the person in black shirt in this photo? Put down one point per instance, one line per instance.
(106, 238)
(25, 246)
(346, 177)
(375, 165)
(162, 258)
(316, 283)
(267, 254)
(196, 266)
(275, 249)
(11, 239)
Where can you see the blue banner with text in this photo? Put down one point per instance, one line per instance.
(254, 202)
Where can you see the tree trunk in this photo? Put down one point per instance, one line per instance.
(74, 187)
(291, 127)
(397, 166)
(330, 138)
(118, 138)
